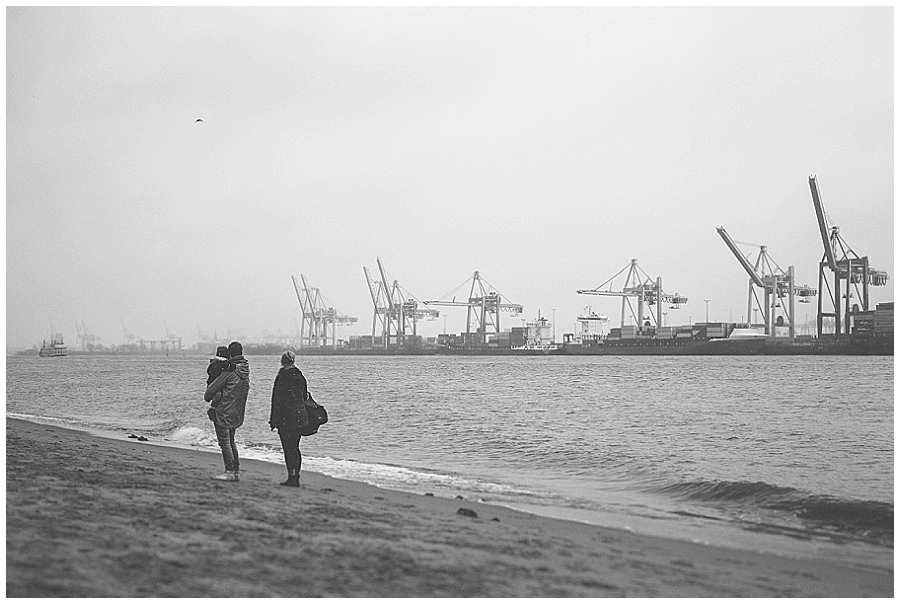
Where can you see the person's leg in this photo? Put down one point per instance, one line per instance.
(234, 453)
(299, 457)
(223, 435)
(290, 444)
(285, 438)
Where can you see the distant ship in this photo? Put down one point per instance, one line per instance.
(56, 348)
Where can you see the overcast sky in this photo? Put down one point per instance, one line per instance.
(543, 147)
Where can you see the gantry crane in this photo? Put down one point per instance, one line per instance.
(129, 337)
(849, 269)
(85, 339)
(484, 308)
(317, 317)
(647, 291)
(396, 311)
(776, 284)
(171, 338)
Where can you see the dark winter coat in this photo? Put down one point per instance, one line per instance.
(289, 400)
(234, 386)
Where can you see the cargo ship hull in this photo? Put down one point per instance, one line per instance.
(821, 346)
(825, 346)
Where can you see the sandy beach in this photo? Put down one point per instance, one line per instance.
(88, 516)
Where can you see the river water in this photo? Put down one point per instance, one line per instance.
(790, 455)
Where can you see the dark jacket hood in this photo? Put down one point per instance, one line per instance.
(241, 366)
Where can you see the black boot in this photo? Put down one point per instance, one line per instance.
(293, 479)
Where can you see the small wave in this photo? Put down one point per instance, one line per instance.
(871, 520)
(403, 478)
(53, 421)
(191, 435)
(29, 417)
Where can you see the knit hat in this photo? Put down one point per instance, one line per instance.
(222, 351)
(287, 358)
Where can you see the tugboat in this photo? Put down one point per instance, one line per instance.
(56, 348)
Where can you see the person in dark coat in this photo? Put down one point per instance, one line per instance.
(233, 385)
(289, 414)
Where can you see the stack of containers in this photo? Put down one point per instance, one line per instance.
(715, 330)
(884, 318)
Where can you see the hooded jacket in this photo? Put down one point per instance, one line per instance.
(234, 386)
(215, 368)
(289, 400)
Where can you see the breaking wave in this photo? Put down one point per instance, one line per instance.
(871, 521)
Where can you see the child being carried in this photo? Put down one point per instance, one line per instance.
(217, 365)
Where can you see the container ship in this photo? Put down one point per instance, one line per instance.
(727, 339)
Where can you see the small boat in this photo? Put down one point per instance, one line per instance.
(56, 348)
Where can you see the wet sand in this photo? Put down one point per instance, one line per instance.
(88, 516)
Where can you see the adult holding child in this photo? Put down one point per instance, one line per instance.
(233, 384)
(289, 416)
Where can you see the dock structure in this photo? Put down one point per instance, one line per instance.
(850, 272)
(776, 285)
(319, 320)
(484, 305)
(647, 292)
(396, 311)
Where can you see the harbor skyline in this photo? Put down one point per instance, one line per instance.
(545, 148)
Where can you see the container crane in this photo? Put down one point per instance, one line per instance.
(396, 310)
(319, 318)
(647, 292)
(850, 272)
(775, 283)
(484, 307)
(85, 339)
(381, 302)
(171, 338)
(129, 337)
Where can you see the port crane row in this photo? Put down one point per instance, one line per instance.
(396, 311)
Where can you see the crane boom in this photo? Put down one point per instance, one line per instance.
(594, 292)
(300, 294)
(823, 226)
(740, 257)
(384, 281)
(372, 287)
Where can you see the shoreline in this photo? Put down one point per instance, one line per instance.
(94, 516)
(728, 537)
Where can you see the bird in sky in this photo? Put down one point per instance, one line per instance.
(198, 120)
